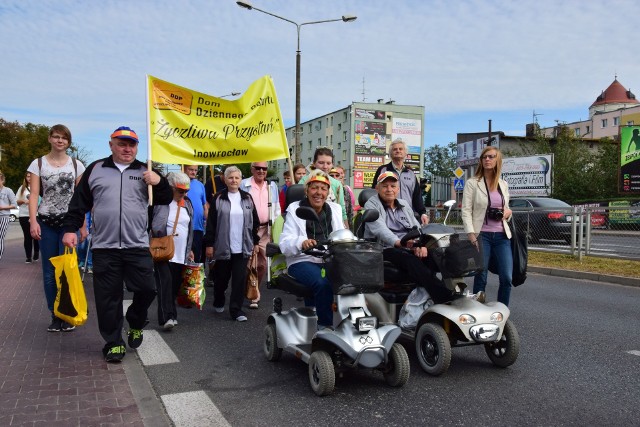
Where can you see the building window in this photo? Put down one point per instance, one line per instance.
(344, 155)
(577, 130)
(630, 123)
(319, 142)
(319, 126)
(588, 129)
(604, 123)
(344, 135)
(339, 126)
(310, 144)
(616, 121)
(339, 145)
(331, 139)
(326, 140)
(331, 120)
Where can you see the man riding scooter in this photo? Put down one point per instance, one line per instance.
(395, 220)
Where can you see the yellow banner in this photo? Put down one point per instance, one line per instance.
(189, 127)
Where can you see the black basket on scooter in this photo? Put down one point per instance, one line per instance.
(355, 267)
(460, 258)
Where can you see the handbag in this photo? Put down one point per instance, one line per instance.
(252, 292)
(162, 248)
(71, 303)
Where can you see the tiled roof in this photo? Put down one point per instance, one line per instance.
(615, 94)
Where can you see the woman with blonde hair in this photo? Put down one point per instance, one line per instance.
(31, 245)
(485, 211)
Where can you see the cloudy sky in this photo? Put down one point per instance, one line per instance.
(83, 63)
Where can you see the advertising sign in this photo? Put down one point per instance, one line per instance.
(629, 179)
(410, 131)
(528, 176)
(469, 152)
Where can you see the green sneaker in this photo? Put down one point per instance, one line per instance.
(115, 354)
(134, 337)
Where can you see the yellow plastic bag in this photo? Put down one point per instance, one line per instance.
(71, 302)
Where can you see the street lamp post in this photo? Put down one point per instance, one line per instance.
(345, 18)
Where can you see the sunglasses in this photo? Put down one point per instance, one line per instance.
(260, 168)
(181, 191)
(489, 156)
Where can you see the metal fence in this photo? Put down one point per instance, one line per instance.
(606, 231)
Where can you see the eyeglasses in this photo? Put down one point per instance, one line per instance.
(489, 156)
(260, 168)
(56, 137)
(181, 191)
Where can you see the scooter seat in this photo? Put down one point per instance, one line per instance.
(286, 283)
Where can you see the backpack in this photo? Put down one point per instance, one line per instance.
(75, 168)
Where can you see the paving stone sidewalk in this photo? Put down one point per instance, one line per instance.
(54, 378)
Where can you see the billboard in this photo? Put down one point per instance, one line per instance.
(469, 151)
(410, 131)
(528, 176)
(629, 178)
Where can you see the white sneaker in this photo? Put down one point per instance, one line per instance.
(175, 322)
(241, 318)
(219, 309)
(168, 324)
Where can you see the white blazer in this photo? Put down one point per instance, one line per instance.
(474, 204)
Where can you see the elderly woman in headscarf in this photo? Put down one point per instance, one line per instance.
(176, 216)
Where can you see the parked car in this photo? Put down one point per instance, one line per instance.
(13, 215)
(544, 218)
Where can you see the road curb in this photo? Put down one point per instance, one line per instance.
(584, 275)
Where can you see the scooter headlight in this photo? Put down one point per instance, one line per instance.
(496, 317)
(366, 323)
(466, 319)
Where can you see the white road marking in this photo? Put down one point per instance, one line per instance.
(634, 352)
(193, 409)
(154, 350)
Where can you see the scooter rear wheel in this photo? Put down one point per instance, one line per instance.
(322, 374)
(433, 349)
(397, 370)
(270, 347)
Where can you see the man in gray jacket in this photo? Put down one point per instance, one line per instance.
(395, 220)
(116, 190)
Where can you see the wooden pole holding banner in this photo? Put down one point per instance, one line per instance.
(149, 163)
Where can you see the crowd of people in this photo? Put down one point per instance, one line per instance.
(222, 222)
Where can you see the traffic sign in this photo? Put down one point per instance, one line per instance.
(458, 172)
(458, 184)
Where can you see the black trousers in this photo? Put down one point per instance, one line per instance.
(419, 271)
(236, 270)
(168, 277)
(31, 245)
(196, 245)
(110, 267)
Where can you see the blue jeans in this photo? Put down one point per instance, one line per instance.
(310, 274)
(50, 246)
(498, 247)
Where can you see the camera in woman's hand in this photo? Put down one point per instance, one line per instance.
(495, 214)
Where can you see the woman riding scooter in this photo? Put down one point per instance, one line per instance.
(299, 235)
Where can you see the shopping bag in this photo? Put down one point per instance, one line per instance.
(252, 292)
(192, 292)
(71, 303)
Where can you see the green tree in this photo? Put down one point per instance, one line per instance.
(19, 145)
(440, 160)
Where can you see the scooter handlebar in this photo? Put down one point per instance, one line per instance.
(414, 233)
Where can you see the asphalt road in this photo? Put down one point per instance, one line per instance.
(577, 366)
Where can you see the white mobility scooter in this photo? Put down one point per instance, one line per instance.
(354, 267)
(461, 322)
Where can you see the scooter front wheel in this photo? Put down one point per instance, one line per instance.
(271, 349)
(433, 349)
(504, 352)
(397, 370)
(322, 374)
